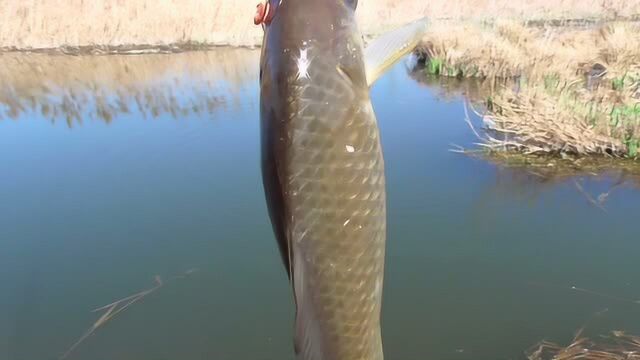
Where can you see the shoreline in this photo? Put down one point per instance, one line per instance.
(563, 92)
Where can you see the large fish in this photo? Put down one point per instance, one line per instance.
(323, 170)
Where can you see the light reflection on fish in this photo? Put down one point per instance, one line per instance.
(323, 170)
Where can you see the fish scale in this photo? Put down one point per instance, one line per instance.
(342, 263)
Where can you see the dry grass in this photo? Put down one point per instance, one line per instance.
(57, 23)
(511, 48)
(553, 90)
(538, 121)
(617, 346)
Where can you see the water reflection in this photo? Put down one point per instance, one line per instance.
(597, 186)
(450, 89)
(75, 88)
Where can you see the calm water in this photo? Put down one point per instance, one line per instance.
(154, 171)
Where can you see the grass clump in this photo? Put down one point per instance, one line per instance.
(553, 90)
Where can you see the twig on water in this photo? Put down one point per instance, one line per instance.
(467, 119)
(588, 196)
(458, 149)
(118, 306)
(589, 292)
(603, 295)
(602, 198)
(580, 331)
(461, 150)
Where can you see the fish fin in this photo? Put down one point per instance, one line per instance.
(351, 3)
(298, 294)
(307, 339)
(384, 51)
(273, 188)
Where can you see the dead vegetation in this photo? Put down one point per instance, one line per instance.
(113, 309)
(112, 23)
(616, 346)
(551, 90)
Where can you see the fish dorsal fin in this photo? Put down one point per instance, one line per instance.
(384, 51)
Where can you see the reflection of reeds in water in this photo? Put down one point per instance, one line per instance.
(451, 88)
(528, 177)
(78, 87)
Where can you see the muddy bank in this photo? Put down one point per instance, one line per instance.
(109, 24)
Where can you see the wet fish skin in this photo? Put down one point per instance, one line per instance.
(323, 175)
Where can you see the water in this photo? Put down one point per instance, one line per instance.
(155, 171)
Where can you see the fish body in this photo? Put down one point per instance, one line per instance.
(323, 176)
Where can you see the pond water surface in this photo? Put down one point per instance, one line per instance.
(117, 170)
